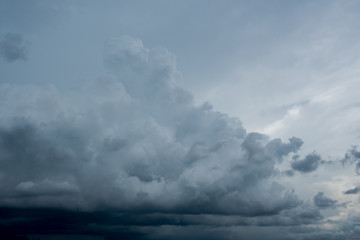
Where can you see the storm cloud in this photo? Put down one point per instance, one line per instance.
(140, 141)
(104, 138)
(134, 142)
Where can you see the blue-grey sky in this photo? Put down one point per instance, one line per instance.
(221, 119)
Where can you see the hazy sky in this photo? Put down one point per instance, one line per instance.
(180, 119)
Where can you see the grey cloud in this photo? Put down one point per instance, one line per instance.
(159, 225)
(135, 143)
(302, 214)
(13, 47)
(354, 152)
(308, 164)
(45, 187)
(56, 159)
(289, 173)
(281, 149)
(353, 155)
(353, 191)
(322, 201)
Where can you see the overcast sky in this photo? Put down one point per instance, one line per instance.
(180, 119)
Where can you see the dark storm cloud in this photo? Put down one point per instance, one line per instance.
(59, 160)
(133, 148)
(137, 225)
(322, 201)
(13, 47)
(308, 164)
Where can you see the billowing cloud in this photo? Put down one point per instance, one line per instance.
(323, 201)
(13, 47)
(308, 164)
(132, 150)
(138, 137)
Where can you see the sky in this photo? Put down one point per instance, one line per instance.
(179, 119)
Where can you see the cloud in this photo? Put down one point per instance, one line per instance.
(133, 160)
(115, 225)
(289, 173)
(353, 191)
(45, 187)
(133, 148)
(308, 164)
(13, 47)
(322, 201)
(353, 155)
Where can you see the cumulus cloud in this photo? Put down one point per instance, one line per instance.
(13, 47)
(134, 143)
(308, 164)
(322, 201)
(133, 160)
